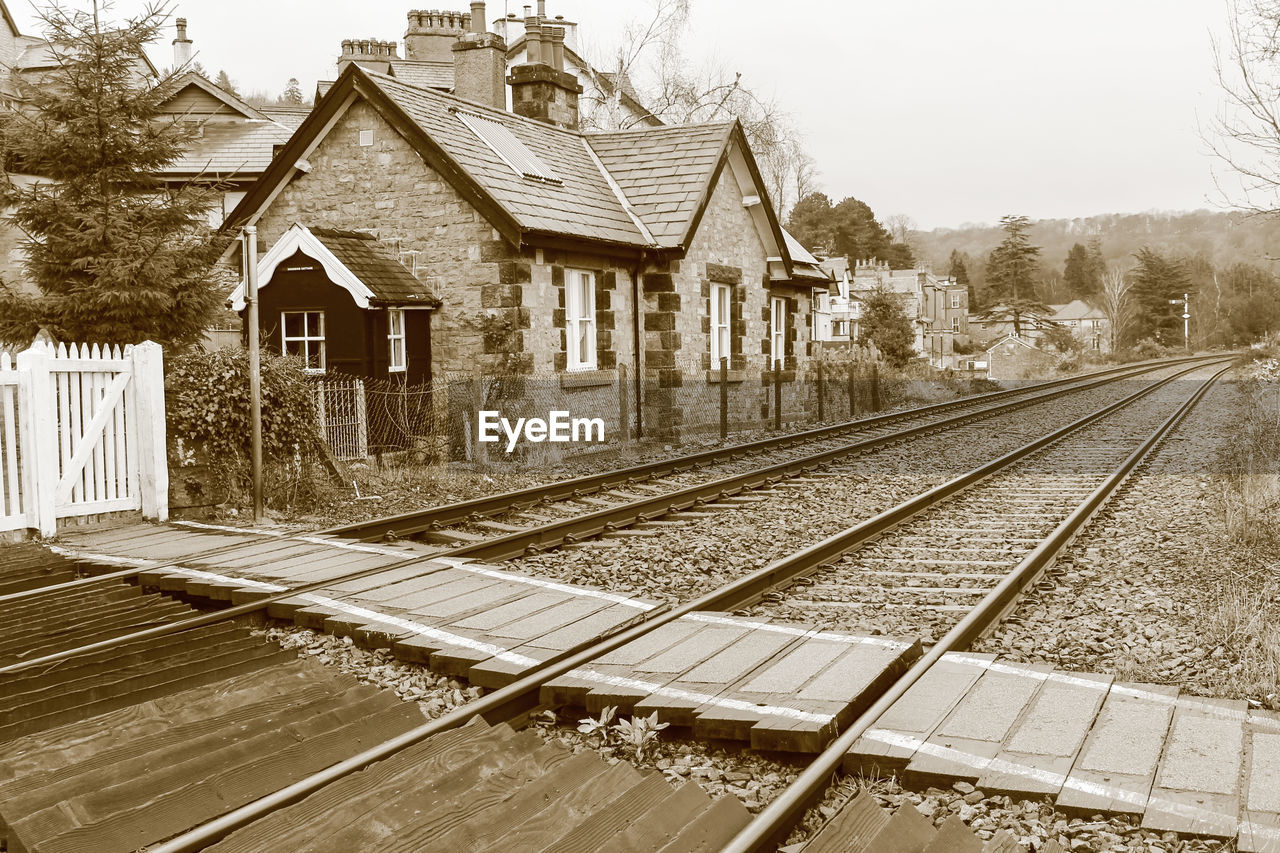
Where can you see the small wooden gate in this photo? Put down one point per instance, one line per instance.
(82, 433)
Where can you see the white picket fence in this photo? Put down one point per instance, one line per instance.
(81, 433)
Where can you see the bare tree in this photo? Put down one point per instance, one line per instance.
(1117, 304)
(1245, 135)
(650, 64)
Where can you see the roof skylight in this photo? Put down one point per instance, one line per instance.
(511, 150)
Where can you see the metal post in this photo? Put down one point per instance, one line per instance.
(1186, 321)
(624, 404)
(249, 251)
(822, 391)
(777, 395)
(724, 397)
(875, 386)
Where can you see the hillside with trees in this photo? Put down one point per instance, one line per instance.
(1227, 261)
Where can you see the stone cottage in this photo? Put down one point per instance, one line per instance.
(552, 251)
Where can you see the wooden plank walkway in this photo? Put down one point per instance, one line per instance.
(778, 686)
(1181, 763)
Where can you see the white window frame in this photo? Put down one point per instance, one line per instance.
(777, 330)
(307, 340)
(721, 322)
(955, 324)
(955, 299)
(396, 336)
(580, 319)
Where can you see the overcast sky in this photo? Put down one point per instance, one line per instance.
(947, 111)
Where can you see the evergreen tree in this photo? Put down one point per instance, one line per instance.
(1157, 281)
(293, 93)
(1011, 275)
(885, 324)
(1083, 272)
(958, 268)
(224, 82)
(117, 256)
(858, 236)
(812, 222)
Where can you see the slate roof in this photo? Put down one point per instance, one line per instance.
(423, 72)
(804, 264)
(290, 117)
(642, 188)
(664, 172)
(370, 260)
(1076, 309)
(582, 206)
(231, 149)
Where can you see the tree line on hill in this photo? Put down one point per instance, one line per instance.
(1138, 274)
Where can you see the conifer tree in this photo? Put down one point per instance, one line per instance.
(1011, 276)
(117, 256)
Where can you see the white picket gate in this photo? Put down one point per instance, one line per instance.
(82, 433)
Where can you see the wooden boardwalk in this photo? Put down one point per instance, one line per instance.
(1181, 763)
(778, 686)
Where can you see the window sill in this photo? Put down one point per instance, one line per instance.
(586, 378)
(714, 376)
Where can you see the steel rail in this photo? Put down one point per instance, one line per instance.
(518, 697)
(767, 828)
(579, 527)
(408, 524)
(582, 526)
(543, 536)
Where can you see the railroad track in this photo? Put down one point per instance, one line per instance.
(415, 749)
(533, 520)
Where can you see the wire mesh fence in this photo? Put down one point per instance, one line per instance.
(533, 419)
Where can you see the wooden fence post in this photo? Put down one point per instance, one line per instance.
(39, 427)
(724, 397)
(821, 394)
(153, 461)
(624, 404)
(777, 395)
(875, 386)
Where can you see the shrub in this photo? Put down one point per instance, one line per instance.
(207, 408)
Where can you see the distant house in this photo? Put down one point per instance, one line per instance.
(937, 307)
(1012, 358)
(552, 251)
(1088, 324)
(994, 323)
(234, 141)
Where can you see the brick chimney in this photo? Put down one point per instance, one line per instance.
(368, 53)
(181, 45)
(541, 88)
(480, 63)
(431, 34)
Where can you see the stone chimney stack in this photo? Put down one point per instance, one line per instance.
(541, 88)
(480, 63)
(181, 45)
(368, 53)
(431, 34)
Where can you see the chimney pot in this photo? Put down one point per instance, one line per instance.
(542, 10)
(557, 48)
(477, 16)
(532, 41)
